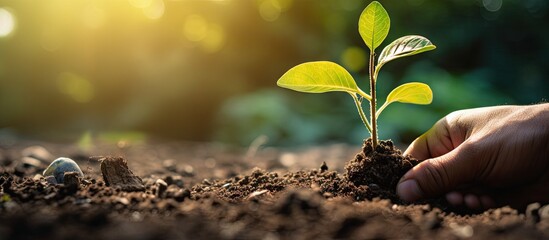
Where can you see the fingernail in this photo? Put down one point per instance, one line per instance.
(409, 190)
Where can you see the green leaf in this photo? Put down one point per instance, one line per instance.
(373, 25)
(414, 92)
(405, 46)
(318, 77)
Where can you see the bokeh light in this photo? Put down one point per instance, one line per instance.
(7, 22)
(354, 58)
(76, 87)
(155, 10)
(141, 3)
(195, 28)
(214, 39)
(492, 5)
(270, 10)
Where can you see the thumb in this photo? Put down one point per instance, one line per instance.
(437, 176)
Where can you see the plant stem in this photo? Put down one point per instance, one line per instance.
(373, 119)
(361, 112)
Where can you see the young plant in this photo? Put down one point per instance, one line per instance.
(324, 76)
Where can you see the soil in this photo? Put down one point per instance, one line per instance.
(211, 191)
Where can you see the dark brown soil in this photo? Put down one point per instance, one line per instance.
(208, 191)
(380, 169)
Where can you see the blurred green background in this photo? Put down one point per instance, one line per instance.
(206, 70)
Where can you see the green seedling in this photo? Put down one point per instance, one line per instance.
(324, 76)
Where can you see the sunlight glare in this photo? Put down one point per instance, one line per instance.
(7, 22)
(141, 3)
(155, 10)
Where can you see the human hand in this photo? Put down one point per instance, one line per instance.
(483, 158)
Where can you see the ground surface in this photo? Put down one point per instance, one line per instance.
(208, 191)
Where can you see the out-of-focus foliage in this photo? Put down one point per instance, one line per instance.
(206, 70)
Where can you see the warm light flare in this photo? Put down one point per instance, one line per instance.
(7, 22)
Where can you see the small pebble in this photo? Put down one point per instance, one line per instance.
(122, 200)
(323, 167)
(60, 166)
(532, 212)
(174, 180)
(71, 182)
(256, 194)
(37, 152)
(461, 231)
(136, 217)
(431, 221)
(188, 170)
(51, 179)
(162, 186)
(169, 164)
(31, 162)
(544, 213)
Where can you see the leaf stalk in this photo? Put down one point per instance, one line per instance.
(358, 104)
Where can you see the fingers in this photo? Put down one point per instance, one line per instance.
(439, 140)
(437, 176)
(471, 201)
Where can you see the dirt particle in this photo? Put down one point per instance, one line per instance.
(323, 167)
(71, 182)
(532, 212)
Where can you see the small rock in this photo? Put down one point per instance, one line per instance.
(169, 164)
(188, 170)
(182, 194)
(461, 231)
(51, 180)
(37, 152)
(116, 173)
(136, 217)
(31, 162)
(323, 167)
(122, 200)
(174, 180)
(532, 212)
(60, 166)
(71, 182)
(432, 221)
(544, 213)
(207, 182)
(161, 188)
(256, 194)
